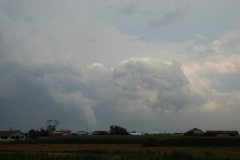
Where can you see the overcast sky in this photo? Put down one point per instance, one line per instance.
(146, 65)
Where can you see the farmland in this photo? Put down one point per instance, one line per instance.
(114, 147)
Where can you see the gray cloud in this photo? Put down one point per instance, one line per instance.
(168, 19)
(167, 84)
(21, 97)
(128, 9)
(94, 96)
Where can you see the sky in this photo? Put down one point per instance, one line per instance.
(155, 65)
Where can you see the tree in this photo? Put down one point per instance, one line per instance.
(32, 134)
(117, 130)
(37, 133)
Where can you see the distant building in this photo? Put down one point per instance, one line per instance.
(153, 133)
(215, 133)
(178, 134)
(62, 132)
(100, 133)
(11, 135)
(194, 132)
(136, 133)
(82, 133)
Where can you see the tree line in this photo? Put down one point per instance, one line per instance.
(113, 130)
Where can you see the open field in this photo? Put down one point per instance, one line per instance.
(122, 147)
(145, 140)
(113, 150)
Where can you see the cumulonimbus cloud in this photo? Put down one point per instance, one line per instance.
(64, 60)
(87, 95)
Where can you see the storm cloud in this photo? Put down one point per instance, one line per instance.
(90, 64)
(91, 95)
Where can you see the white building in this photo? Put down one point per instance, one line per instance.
(62, 132)
(11, 135)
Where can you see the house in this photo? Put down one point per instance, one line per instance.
(11, 135)
(62, 132)
(215, 133)
(194, 132)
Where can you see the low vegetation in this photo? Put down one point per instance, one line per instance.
(144, 140)
(194, 141)
(170, 155)
(122, 147)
